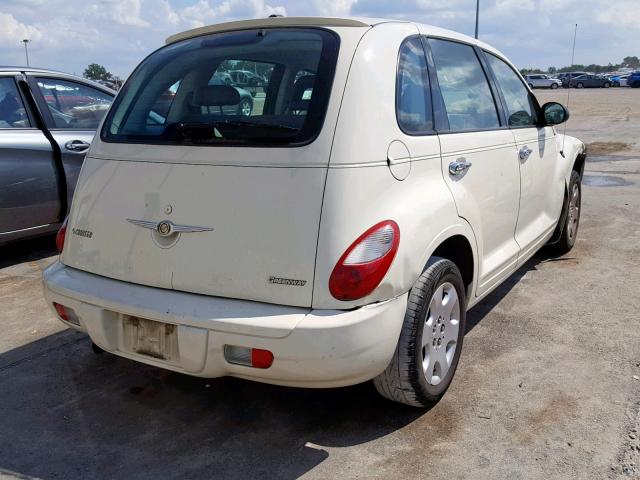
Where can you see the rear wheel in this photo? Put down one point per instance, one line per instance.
(580, 85)
(606, 85)
(245, 107)
(554, 86)
(430, 343)
(569, 230)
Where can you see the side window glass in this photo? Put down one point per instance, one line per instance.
(464, 86)
(12, 111)
(519, 106)
(73, 105)
(413, 98)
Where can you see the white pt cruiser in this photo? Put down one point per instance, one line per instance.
(385, 178)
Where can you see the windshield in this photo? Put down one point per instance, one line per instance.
(251, 87)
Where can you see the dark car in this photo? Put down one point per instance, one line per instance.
(568, 76)
(590, 81)
(634, 80)
(47, 122)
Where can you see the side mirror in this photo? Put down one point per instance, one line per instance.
(554, 114)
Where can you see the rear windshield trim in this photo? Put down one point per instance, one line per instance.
(315, 117)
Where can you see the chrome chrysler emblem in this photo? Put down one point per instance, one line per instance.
(166, 228)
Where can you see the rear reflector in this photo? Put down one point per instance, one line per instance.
(67, 314)
(62, 313)
(60, 236)
(250, 357)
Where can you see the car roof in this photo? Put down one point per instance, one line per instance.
(56, 73)
(357, 22)
(329, 22)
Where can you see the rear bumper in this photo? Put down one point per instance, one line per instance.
(312, 348)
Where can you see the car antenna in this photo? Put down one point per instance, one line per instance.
(573, 53)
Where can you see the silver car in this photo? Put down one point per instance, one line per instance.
(543, 81)
(47, 121)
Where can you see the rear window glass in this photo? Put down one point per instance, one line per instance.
(252, 87)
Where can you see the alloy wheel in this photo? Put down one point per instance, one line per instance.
(440, 333)
(574, 211)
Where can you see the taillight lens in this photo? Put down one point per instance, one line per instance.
(61, 235)
(365, 263)
(61, 311)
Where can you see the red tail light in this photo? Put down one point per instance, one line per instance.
(365, 263)
(61, 235)
(60, 310)
(261, 358)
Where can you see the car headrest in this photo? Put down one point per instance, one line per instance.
(215, 96)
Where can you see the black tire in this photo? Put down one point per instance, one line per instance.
(531, 85)
(606, 85)
(245, 106)
(579, 85)
(569, 233)
(554, 86)
(403, 380)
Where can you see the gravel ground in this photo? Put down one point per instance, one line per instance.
(548, 384)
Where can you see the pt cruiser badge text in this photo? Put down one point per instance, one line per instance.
(82, 233)
(287, 281)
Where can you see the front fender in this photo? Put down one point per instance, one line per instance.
(571, 151)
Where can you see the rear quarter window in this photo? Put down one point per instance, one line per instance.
(413, 97)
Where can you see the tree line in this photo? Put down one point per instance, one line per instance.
(98, 73)
(627, 62)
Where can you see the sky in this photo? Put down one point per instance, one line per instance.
(68, 35)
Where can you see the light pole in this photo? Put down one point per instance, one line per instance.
(477, 15)
(26, 51)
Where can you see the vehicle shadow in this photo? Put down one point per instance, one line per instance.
(482, 309)
(27, 250)
(66, 412)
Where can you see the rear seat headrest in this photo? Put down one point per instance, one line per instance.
(215, 96)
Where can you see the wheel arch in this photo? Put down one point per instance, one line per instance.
(579, 162)
(458, 244)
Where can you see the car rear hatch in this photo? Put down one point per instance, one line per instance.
(183, 192)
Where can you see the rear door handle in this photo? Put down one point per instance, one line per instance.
(459, 166)
(524, 153)
(77, 145)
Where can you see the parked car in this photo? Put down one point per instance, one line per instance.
(567, 77)
(47, 121)
(245, 78)
(615, 80)
(543, 81)
(634, 79)
(590, 81)
(338, 236)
